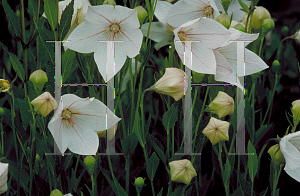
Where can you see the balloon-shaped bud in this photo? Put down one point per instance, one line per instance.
(275, 66)
(240, 27)
(56, 192)
(38, 78)
(222, 105)
(182, 171)
(44, 104)
(216, 130)
(141, 13)
(267, 25)
(296, 112)
(224, 20)
(276, 154)
(259, 15)
(89, 162)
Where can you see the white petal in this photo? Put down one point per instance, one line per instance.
(235, 34)
(161, 10)
(100, 15)
(132, 42)
(238, 15)
(161, 44)
(85, 38)
(223, 67)
(157, 32)
(3, 177)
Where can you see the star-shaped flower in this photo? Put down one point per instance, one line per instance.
(187, 10)
(216, 130)
(108, 23)
(222, 105)
(76, 121)
(211, 35)
(182, 171)
(227, 55)
(159, 31)
(234, 8)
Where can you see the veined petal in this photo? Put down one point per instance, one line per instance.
(161, 10)
(223, 67)
(235, 34)
(157, 32)
(85, 38)
(132, 38)
(3, 177)
(238, 15)
(100, 15)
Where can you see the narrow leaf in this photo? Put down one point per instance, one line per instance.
(68, 67)
(51, 11)
(65, 21)
(244, 6)
(129, 144)
(170, 117)
(119, 191)
(252, 161)
(152, 164)
(12, 18)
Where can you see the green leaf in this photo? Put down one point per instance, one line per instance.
(152, 164)
(158, 148)
(169, 118)
(160, 192)
(244, 6)
(12, 18)
(238, 192)
(129, 144)
(245, 186)
(32, 6)
(65, 21)
(68, 67)
(25, 114)
(119, 191)
(51, 11)
(252, 161)
(227, 171)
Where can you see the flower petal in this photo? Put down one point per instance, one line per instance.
(100, 15)
(161, 10)
(3, 177)
(223, 67)
(85, 38)
(132, 42)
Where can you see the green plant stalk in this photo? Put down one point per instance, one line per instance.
(24, 41)
(2, 141)
(32, 156)
(93, 184)
(275, 181)
(260, 46)
(221, 166)
(127, 169)
(252, 107)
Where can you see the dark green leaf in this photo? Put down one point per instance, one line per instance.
(25, 114)
(12, 18)
(65, 21)
(158, 148)
(169, 118)
(68, 67)
(152, 164)
(160, 192)
(244, 6)
(129, 144)
(252, 161)
(51, 11)
(119, 191)
(238, 192)
(32, 6)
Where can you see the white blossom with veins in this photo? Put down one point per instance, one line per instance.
(108, 23)
(227, 55)
(76, 121)
(3, 177)
(211, 35)
(187, 10)
(234, 8)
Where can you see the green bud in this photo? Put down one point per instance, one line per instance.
(267, 25)
(89, 162)
(1, 115)
(139, 182)
(276, 155)
(275, 66)
(226, 4)
(37, 157)
(56, 192)
(224, 20)
(141, 13)
(284, 30)
(110, 2)
(38, 78)
(259, 15)
(296, 112)
(239, 27)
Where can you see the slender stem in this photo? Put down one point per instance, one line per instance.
(252, 107)
(93, 184)
(127, 169)
(2, 141)
(260, 47)
(33, 130)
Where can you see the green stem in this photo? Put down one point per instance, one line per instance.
(127, 169)
(252, 107)
(260, 46)
(93, 184)
(2, 141)
(32, 156)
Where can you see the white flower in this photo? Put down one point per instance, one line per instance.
(3, 177)
(159, 30)
(187, 10)
(227, 55)
(44, 104)
(104, 23)
(211, 35)
(290, 147)
(76, 121)
(234, 8)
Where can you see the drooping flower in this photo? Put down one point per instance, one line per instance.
(222, 105)
(182, 171)
(234, 8)
(227, 54)
(160, 31)
(4, 85)
(76, 121)
(108, 23)
(211, 35)
(80, 9)
(3, 177)
(187, 10)
(171, 83)
(290, 147)
(44, 104)
(216, 130)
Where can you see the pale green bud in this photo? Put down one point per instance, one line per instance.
(44, 104)
(38, 78)
(141, 13)
(110, 2)
(224, 20)
(56, 192)
(296, 111)
(267, 25)
(239, 27)
(139, 182)
(276, 155)
(275, 66)
(89, 162)
(222, 105)
(182, 171)
(259, 15)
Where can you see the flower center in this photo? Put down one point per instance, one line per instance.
(182, 35)
(67, 116)
(209, 12)
(114, 30)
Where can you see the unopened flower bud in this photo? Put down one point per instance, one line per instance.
(216, 130)
(259, 15)
(224, 20)
(276, 154)
(56, 192)
(171, 83)
(275, 66)
(296, 111)
(110, 134)
(89, 162)
(222, 105)
(296, 36)
(110, 2)
(267, 25)
(240, 27)
(4, 85)
(44, 104)
(139, 182)
(38, 78)
(182, 171)
(141, 13)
